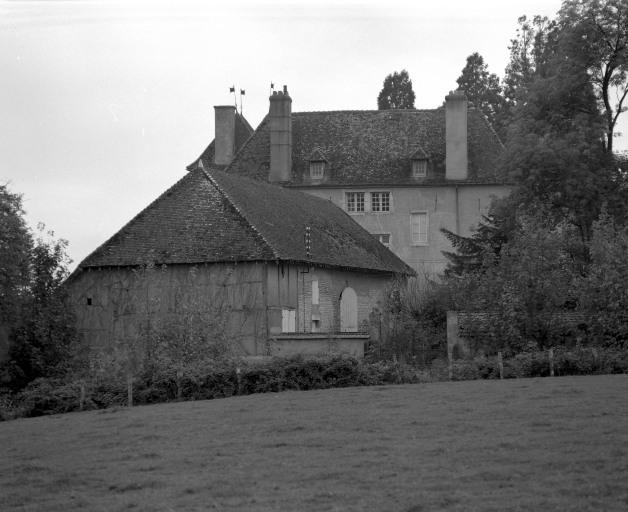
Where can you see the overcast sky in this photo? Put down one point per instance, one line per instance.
(104, 103)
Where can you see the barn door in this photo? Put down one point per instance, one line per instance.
(348, 311)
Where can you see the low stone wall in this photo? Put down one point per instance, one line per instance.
(463, 327)
(286, 345)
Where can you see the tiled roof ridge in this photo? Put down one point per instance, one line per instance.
(246, 123)
(240, 212)
(488, 124)
(368, 111)
(167, 192)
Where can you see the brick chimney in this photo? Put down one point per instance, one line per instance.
(280, 136)
(224, 140)
(456, 154)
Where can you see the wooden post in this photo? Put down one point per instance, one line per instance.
(551, 361)
(129, 388)
(82, 398)
(500, 364)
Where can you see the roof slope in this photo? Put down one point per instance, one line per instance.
(192, 222)
(210, 216)
(243, 130)
(281, 215)
(372, 146)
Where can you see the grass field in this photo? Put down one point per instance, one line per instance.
(531, 444)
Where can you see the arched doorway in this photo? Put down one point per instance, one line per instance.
(348, 310)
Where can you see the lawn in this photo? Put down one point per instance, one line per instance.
(552, 444)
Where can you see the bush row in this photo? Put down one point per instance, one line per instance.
(215, 380)
(580, 361)
(228, 378)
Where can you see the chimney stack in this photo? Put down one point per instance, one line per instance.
(456, 155)
(224, 139)
(280, 136)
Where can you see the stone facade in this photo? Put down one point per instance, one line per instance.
(242, 301)
(458, 208)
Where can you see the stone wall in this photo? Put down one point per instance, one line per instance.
(114, 304)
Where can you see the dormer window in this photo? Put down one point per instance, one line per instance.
(419, 168)
(419, 158)
(318, 162)
(317, 170)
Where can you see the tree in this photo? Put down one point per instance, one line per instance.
(527, 54)
(555, 152)
(396, 92)
(483, 90)
(603, 291)
(15, 247)
(595, 37)
(493, 231)
(523, 294)
(43, 335)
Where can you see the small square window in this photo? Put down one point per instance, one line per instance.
(354, 202)
(419, 168)
(89, 301)
(383, 238)
(380, 201)
(317, 170)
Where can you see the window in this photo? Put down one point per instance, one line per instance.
(354, 202)
(383, 238)
(317, 170)
(288, 320)
(380, 201)
(315, 292)
(419, 168)
(419, 226)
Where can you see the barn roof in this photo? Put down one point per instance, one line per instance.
(209, 216)
(363, 147)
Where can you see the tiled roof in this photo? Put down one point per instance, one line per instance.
(192, 222)
(210, 216)
(372, 146)
(243, 131)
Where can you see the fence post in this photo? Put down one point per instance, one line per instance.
(500, 364)
(82, 397)
(551, 361)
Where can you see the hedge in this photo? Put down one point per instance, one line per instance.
(213, 380)
(228, 378)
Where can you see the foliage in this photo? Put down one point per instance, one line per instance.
(526, 290)
(211, 379)
(604, 290)
(396, 92)
(483, 90)
(554, 152)
(492, 232)
(575, 361)
(595, 38)
(15, 248)
(41, 332)
(412, 322)
(527, 56)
